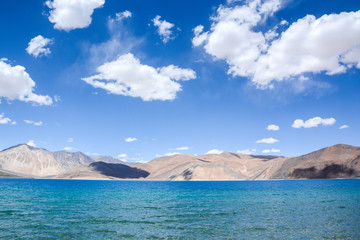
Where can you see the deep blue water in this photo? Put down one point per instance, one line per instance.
(76, 209)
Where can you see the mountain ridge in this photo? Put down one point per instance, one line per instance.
(337, 161)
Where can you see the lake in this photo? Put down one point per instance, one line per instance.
(85, 209)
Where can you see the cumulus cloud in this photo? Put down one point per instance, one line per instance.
(182, 148)
(199, 36)
(67, 148)
(31, 143)
(273, 127)
(214, 151)
(16, 84)
(70, 140)
(37, 46)
(3, 119)
(69, 14)
(34, 123)
(121, 15)
(267, 140)
(246, 151)
(329, 44)
(273, 150)
(163, 28)
(131, 139)
(313, 122)
(343, 126)
(128, 77)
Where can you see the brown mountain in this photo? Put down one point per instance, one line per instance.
(224, 166)
(103, 170)
(338, 161)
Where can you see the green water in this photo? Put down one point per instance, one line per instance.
(70, 209)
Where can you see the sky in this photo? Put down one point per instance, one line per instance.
(142, 79)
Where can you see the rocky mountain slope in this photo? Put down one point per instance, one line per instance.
(224, 166)
(38, 162)
(338, 161)
(103, 170)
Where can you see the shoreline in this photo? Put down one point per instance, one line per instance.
(154, 180)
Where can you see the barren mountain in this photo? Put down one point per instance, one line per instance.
(225, 166)
(338, 161)
(102, 170)
(24, 159)
(6, 174)
(108, 159)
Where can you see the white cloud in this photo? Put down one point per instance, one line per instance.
(273, 150)
(70, 140)
(15, 83)
(199, 36)
(13, 123)
(273, 127)
(72, 14)
(343, 126)
(122, 155)
(215, 151)
(246, 151)
(33, 122)
(313, 122)
(31, 143)
(121, 15)
(171, 154)
(68, 148)
(176, 73)
(3, 119)
(182, 148)
(163, 28)
(284, 22)
(267, 140)
(37, 46)
(130, 139)
(329, 44)
(128, 77)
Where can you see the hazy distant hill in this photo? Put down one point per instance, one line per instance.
(108, 159)
(27, 160)
(338, 161)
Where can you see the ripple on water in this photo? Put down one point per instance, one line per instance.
(48, 209)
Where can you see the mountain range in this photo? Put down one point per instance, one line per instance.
(338, 161)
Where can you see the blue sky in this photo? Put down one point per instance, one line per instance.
(141, 79)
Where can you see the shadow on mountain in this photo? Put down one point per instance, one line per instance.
(8, 175)
(118, 170)
(330, 171)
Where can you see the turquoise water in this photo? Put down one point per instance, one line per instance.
(71, 209)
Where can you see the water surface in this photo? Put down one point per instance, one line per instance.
(80, 209)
